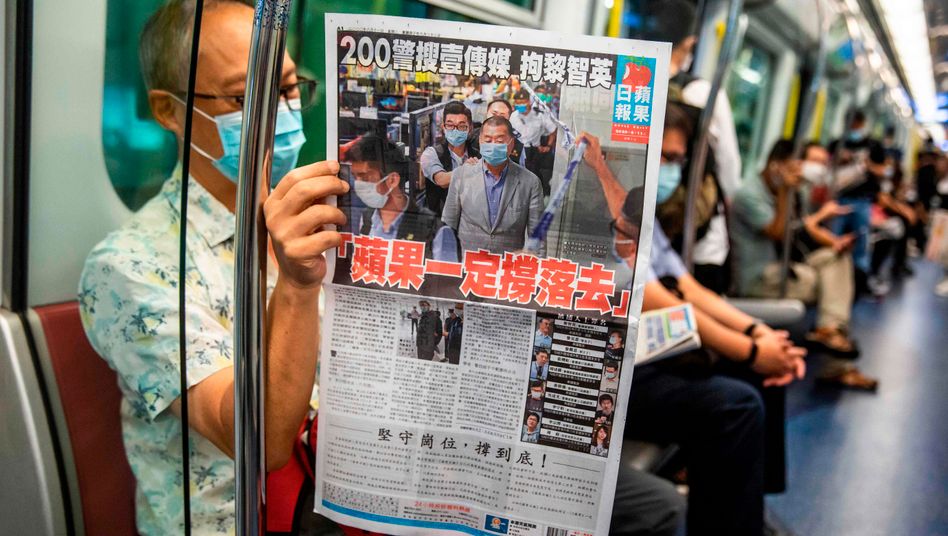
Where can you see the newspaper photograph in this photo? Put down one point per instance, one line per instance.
(480, 324)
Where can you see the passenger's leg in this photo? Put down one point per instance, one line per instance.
(836, 287)
(801, 283)
(719, 424)
(645, 505)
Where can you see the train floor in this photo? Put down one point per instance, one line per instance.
(876, 464)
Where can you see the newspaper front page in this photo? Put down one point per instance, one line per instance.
(474, 369)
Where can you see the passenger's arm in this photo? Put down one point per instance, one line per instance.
(713, 305)
(774, 230)
(775, 355)
(814, 226)
(293, 210)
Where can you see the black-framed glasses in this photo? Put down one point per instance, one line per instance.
(303, 90)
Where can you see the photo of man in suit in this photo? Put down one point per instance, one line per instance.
(494, 203)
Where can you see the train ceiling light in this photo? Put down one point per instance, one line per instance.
(905, 20)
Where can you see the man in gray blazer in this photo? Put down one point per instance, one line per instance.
(494, 203)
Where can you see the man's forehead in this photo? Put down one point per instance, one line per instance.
(456, 118)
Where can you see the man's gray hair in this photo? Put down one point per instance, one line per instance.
(164, 49)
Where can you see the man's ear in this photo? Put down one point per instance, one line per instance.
(393, 179)
(165, 110)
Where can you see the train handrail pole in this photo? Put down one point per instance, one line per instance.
(261, 100)
(729, 46)
(800, 139)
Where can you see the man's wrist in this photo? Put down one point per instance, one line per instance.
(295, 294)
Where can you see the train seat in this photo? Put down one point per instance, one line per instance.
(778, 313)
(85, 399)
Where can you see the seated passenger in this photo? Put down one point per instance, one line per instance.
(718, 420)
(825, 275)
(439, 161)
(676, 21)
(128, 293)
(500, 220)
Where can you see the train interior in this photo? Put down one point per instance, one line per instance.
(81, 153)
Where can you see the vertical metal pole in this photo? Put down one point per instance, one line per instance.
(803, 128)
(729, 46)
(250, 268)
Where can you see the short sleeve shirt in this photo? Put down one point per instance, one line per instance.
(664, 260)
(753, 208)
(431, 164)
(532, 126)
(128, 300)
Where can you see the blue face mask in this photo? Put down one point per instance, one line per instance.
(669, 177)
(856, 135)
(455, 137)
(522, 108)
(494, 153)
(288, 139)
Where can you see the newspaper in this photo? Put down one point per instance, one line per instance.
(473, 367)
(666, 333)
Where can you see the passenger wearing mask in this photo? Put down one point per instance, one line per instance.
(610, 376)
(139, 263)
(500, 107)
(380, 173)
(492, 204)
(439, 161)
(815, 171)
(859, 173)
(823, 276)
(676, 21)
(537, 131)
(717, 418)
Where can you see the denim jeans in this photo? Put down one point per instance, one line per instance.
(856, 222)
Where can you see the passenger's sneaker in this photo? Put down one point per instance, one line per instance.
(878, 286)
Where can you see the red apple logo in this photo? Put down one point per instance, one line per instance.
(636, 75)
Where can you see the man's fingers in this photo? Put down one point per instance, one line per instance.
(315, 217)
(311, 246)
(329, 167)
(312, 190)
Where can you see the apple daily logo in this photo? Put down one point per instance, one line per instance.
(632, 100)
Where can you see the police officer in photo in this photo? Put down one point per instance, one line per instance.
(429, 331)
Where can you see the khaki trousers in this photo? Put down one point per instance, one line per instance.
(825, 278)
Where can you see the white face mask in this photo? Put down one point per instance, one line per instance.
(535, 395)
(814, 172)
(368, 192)
(610, 375)
(686, 63)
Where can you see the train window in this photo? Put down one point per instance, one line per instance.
(748, 88)
(139, 154)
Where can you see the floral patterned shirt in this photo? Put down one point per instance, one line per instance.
(128, 299)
